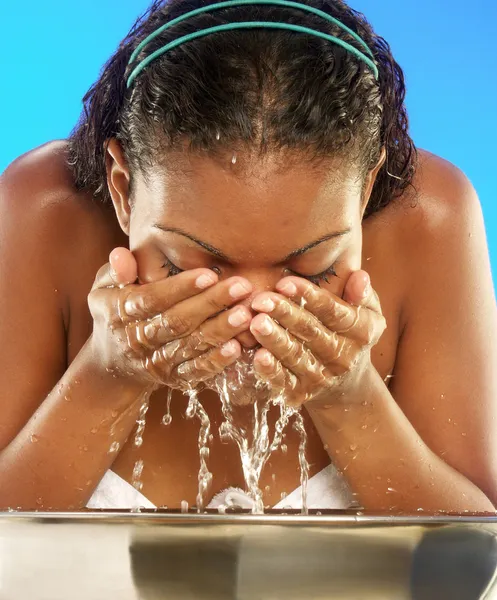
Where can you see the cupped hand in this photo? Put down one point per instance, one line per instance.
(315, 345)
(177, 331)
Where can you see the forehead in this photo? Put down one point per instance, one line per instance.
(219, 198)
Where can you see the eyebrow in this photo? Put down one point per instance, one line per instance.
(223, 256)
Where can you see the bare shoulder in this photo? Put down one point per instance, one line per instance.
(62, 230)
(442, 203)
(38, 187)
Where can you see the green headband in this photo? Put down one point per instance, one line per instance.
(250, 25)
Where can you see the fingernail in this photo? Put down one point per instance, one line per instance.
(288, 288)
(238, 290)
(229, 348)
(204, 281)
(266, 359)
(130, 308)
(266, 304)
(367, 286)
(265, 327)
(237, 318)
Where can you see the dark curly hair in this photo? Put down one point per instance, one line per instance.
(268, 90)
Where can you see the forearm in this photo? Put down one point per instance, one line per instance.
(59, 457)
(387, 464)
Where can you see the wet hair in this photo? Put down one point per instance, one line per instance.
(268, 91)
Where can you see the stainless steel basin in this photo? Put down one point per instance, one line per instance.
(153, 555)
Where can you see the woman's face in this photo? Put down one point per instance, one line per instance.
(250, 217)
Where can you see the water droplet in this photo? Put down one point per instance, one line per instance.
(267, 488)
(284, 448)
(353, 447)
(233, 160)
(464, 434)
(442, 396)
(114, 413)
(184, 506)
(39, 501)
(94, 430)
(34, 438)
(138, 441)
(273, 477)
(114, 447)
(218, 136)
(364, 427)
(84, 448)
(283, 495)
(166, 420)
(67, 398)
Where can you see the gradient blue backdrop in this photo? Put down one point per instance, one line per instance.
(52, 51)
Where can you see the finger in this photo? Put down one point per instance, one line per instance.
(359, 291)
(287, 349)
(271, 371)
(336, 314)
(291, 322)
(212, 333)
(123, 265)
(210, 363)
(151, 299)
(187, 316)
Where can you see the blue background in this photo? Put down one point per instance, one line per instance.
(50, 53)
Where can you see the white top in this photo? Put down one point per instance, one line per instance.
(326, 490)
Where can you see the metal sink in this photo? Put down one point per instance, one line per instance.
(153, 555)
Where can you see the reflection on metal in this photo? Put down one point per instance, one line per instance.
(88, 556)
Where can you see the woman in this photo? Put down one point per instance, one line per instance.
(256, 187)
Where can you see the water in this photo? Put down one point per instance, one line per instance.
(257, 445)
(298, 425)
(253, 437)
(193, 409)
(167, 418)
(141, 422)
(137, 473)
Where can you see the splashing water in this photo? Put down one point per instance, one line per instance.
(298, 425)
(137, 473)
(255, 447)
(167, 418)
(141, 422)
(193, 409)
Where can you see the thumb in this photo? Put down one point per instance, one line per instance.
(359, 292)
(123, 267)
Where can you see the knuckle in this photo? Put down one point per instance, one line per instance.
(144, 302)
(177, 325)
(308, 330)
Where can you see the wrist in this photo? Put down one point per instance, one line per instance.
(110, 377)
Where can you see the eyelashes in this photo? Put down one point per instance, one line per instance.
(315, 279)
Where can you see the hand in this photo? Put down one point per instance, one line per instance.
(175, 331)
(315, 344)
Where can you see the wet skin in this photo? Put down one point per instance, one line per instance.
(252, 216)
